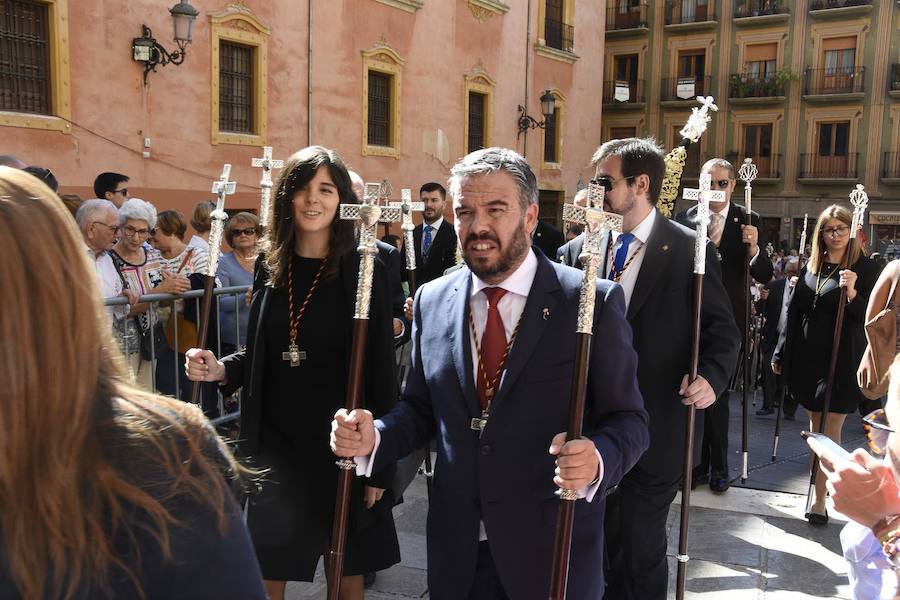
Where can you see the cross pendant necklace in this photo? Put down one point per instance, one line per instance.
(294, 355)
(480, 423)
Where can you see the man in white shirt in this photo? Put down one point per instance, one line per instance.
(434, 239)
(491, 377)
(99, 224)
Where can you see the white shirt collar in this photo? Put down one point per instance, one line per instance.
(643, 229)
(519, 282)
(436, 225)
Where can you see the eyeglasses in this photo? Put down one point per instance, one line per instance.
(877, 431)
(112, 228)
(720, 183)
(123, 191)
(248, 231)
(141, 233)
(608, 183)
(836, 231)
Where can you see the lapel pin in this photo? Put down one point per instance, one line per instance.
(665, 247)
(735, 219)
(546, 312)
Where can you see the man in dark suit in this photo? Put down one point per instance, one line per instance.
(653, 261)
(434, 237)
(493, 509)
(776, 298)
(736, 243)
(548, 238)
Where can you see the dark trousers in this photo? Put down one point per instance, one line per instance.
(714, 447)
(635, 527)
(487, 584)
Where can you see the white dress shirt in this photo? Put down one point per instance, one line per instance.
(724, 214)
(641, 235)
(109, 280)
(434, 229)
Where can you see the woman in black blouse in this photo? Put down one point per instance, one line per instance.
(804, 350)
(294, 375)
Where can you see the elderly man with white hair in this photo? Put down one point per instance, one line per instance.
(98, 221)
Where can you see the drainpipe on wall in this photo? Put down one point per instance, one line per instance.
(309, 57)
(527, 72)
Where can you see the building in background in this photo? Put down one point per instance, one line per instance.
(401, 88)
(810, 89)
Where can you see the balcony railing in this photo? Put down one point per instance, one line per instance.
(759, 8)
(815, 166)
(891, 167)
(841, 80)
(749, 85)
(826, 4)
(894, 83)
(559, 35)
(685, 88)
(623, 92)
(681, 12)
(622, 16)
(769, 167)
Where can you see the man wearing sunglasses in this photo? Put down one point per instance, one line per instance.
(112, 187)
(653, 261)
(736, 243)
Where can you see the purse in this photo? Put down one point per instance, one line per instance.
(881, 334)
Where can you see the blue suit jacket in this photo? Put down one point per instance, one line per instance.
(505, 477)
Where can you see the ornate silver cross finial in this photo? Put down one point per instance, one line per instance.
(860, 201)
(221, 188)
(407, 208)
(747, 173)
(703, 195)
(699, 118)
(266, 163)
(803, 235)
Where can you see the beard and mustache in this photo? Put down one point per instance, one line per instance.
(509, 255)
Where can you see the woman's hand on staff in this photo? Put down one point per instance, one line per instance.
(848, 280)
(353, 433)
(372, 495)
(776, 368)
(202, 365)
(699, 393)
(577, 462)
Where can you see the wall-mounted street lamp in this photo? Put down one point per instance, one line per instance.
(548, 103)
(147, 50)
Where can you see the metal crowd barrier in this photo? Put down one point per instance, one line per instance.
(238, 292)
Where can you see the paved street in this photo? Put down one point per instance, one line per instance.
(746, 544)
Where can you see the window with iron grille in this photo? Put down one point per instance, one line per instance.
(476, 121)
(25, 57)
(235, 87)
(551, 143)
(379, 133)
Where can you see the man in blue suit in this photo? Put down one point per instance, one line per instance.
(501, 456)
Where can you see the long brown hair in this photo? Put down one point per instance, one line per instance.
(281, 235)
(817, 253)
(72, 427)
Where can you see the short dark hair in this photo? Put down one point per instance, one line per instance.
(433, 186)
(639, 156)
(45, 175)
(107, 182)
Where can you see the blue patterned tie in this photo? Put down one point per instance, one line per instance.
(621, 255)
(426, 239)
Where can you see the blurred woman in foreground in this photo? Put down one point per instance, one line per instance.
(106, 491)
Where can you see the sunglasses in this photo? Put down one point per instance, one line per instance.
(123, 191)
(877, 431)
(607, 182)
(248, 231)
(720, 183)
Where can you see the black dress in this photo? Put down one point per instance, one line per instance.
(290, 520)
(805, 349)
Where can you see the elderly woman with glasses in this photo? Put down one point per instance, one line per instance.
(141, 267)
(805, 347)
(237, 268)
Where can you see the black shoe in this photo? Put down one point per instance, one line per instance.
(789, 417)
(368, 579)
(816, 518)
(699, 478)
(718, 482)
(764, 411)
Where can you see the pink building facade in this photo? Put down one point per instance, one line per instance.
(401, 88)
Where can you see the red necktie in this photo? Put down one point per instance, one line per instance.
(493, 347)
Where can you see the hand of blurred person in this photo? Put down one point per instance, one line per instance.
(848, 280)
(763, 293)
(132, 297)
(372, 495)
(173, 284)
(249, 299)
(202, 365)
(353, 433)
(408, 309)
(865, 489)
(750, 236)
(776, 368)
(398, 327)
(699, 393)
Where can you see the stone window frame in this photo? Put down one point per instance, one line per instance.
(382, 59)
(480, 82)
(560, 107)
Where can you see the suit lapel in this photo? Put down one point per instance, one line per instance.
(460, 342)
(656, 257)
(731, 234)
(543, 295)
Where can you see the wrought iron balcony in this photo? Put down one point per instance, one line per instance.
(840, 80)
(622, 17)
(750, 85)
(769, 167)
(559, 35)
(827, 4)
(890, 169)
(685, 88)
(623, 92)
(759, 8)
(682, 12)
(816, 166)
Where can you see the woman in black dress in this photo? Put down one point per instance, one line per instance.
(294, 375)
(804, 350)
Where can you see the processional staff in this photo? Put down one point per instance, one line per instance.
(783, 395)
(703, 196)
(221, 188)
(369, 213)
(860, 200)
(596, 223)
(266, 163)
(747, 173)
